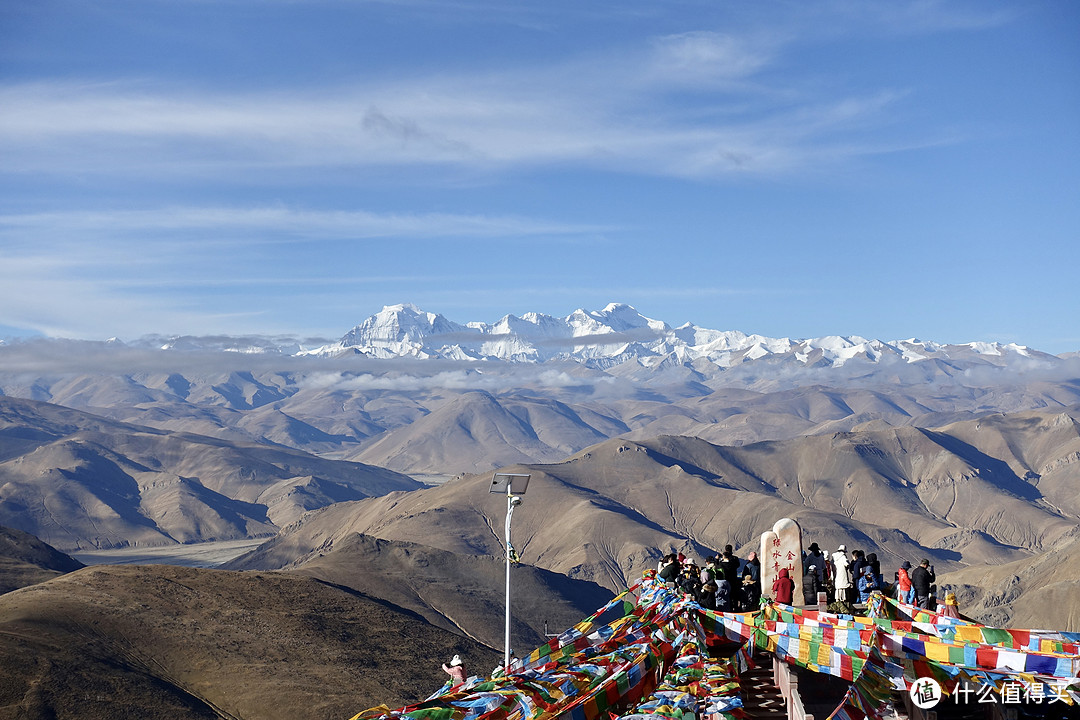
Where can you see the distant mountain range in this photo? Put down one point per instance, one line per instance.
(600, 339)
(614, 335)
(415, 392)
(648, 436)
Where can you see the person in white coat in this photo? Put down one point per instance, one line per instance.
(842, 582)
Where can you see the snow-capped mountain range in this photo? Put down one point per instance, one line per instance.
(619, 334)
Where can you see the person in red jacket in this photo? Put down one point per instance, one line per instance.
(783, 588)
(905, 593)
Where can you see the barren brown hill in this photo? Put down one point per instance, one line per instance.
(607, 513)
(116, 642)
(477, 432)
(445, 418)
(25, 560)
(1038, 593)
(462, 593)
(78, 481)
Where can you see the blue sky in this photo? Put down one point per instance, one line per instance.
(885, 169)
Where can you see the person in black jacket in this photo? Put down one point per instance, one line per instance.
(751, 583)
(707, 597)
(729, 564)
(858, 562)
(670, 569)
(810, 585)
(922, 578)
(690, 579)
(815, 557)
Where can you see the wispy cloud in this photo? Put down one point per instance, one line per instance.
(922, 16)
(710, 95)
(297, 223)
(600, 112)
(609, 108)
(498, 379)
(711, 57)
(352, 373)
(83, 273)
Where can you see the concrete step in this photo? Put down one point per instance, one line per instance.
(761, 699)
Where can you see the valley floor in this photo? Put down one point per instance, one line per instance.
(203, 555)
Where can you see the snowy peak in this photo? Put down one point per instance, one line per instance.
(620, 334)
(404, 329)
(614, 318)
(530, 325)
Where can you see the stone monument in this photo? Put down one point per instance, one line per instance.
(781, 548)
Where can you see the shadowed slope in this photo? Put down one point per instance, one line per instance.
(25, 560)
(77, 481)
(607, 513)
(462, 593)
(477, 432)
(1038, 593)
(162, 641)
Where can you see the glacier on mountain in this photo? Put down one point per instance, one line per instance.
(620, 334)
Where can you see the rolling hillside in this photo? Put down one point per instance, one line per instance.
(81, 481)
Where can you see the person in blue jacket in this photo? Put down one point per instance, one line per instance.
(867, 584)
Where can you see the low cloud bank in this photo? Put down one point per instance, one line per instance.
(50, 357)
(47, 357)
(458, 379)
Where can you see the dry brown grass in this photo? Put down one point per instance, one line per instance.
(171, 642)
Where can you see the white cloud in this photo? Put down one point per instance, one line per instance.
(703, 56)
(503, 378)
(296, 222)
(64, 296)
(102, 273)
(601, 112)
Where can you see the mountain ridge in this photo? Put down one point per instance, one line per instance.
(962, 495)
(77, 480)
(619, 333)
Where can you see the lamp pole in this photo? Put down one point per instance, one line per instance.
(514, 485)
(510, 504)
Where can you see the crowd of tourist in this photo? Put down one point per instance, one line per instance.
(724, 582)
(728, 583)
(854, 578)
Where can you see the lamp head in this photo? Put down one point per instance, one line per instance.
(515, 500)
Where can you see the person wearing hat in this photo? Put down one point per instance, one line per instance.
(707, 596)
(499, 669)
(456, 670)
(815, 557)
(811, 586)
(867, 584)
(842, 581)
(905, 593)
(950, 608)
(750, 588)
(690, 579)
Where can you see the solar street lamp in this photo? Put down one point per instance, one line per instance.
(514, 485)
